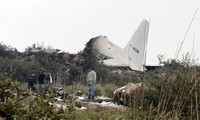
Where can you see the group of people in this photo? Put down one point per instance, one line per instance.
(42, 79)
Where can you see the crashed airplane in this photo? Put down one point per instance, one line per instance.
(133, 55)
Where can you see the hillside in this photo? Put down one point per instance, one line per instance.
(170, 92)
(65, 67)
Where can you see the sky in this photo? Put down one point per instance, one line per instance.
(69, 24)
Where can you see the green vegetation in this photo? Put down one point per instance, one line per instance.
(170, 92)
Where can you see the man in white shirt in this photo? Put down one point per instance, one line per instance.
(91, 80)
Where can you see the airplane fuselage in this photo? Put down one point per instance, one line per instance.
(109, 52)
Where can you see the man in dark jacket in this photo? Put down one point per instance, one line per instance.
(31, 81)
(41, 82)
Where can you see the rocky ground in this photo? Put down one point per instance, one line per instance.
(81, 102)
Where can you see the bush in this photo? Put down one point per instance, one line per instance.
(98, 90)
(109, 90)
(174, 91)
(18, 103)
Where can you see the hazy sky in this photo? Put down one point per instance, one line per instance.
(69, 24)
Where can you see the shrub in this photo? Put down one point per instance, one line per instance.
(109, 90)
(98, 90)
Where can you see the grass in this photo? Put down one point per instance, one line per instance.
(172, 93)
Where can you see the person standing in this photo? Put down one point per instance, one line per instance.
(91, 80)
(31, 81)
(49, 79)
(41, 82)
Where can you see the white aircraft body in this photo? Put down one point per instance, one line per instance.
(133, 55)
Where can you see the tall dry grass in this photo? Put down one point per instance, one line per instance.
(173, 93)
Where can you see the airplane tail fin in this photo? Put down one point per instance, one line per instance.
(137, 46)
